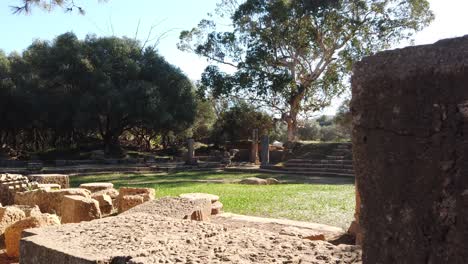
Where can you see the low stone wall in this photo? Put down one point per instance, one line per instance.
(410, 147)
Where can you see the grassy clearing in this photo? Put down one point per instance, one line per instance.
(331, 204)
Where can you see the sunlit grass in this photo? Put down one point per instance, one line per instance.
(331, 204)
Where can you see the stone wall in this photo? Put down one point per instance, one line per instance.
(410, 144)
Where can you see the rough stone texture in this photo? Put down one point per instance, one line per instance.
(8, 216)
(114, 195)
(61, 179)
(97, 186)
(48, 201)
(196, 196)
(301, 233)
(216, 208)
(10, 184)
(131, 197)
(76, 209)
(105, 203)
(146, 238)
(49, 186)
(13, 232)
(29, 210)
(253, 181)
(173, 207)
(410, 146)
(272, 181)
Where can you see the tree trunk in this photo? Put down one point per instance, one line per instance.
(291, 118)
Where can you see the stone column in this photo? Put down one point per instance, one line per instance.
(254, 149)
(191, 152)
(265, 150)
(410, 151)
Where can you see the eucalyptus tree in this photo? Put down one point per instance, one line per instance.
(26, 6)
(294, 56)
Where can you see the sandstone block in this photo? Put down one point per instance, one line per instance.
(48, 201)
(13, 232)
(195, 196)
(10, 215)
(150, 238)
(176, 207)
(127, 202)
(302, 233)
(253, 181)
(131, 197)
(105, 203)
(216, 208)
(76, 209)
(272, 181)
(49, 186)
(97, 186)
(134, 191)
(61, 179)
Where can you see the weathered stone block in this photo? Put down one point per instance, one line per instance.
(181, 208)
(216, 208)
(131, 197)
(13, 232)
(8, 216)
(48, 201)
(410, 146)
(61, 179)
(97, 186)
(105, 203)
(150, 238)
(77, 209)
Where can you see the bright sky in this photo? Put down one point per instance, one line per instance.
(120, 18)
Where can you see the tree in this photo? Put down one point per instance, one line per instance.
(57, 93)
(128, 87)
(68, 5)
(343, 119)
(294, 56)
(237, 123)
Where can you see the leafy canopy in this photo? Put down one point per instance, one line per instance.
(294, 56)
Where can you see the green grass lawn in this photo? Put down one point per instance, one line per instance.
(331, 203)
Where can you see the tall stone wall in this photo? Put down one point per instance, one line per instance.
(410, 114)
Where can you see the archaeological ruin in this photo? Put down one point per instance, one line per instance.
(410, 116)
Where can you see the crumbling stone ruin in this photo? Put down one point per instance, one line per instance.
(410, 115)
(158, 232)
(11, 184)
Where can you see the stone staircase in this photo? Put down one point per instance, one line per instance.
(337, 163)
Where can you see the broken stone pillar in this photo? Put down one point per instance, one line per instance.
(191, 152)
(254, 149)
(410, 149)
(265, 150)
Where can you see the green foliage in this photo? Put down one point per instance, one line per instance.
(310, 131)
(58, 92)
(238, 122)
(295, 56)
(343, 119)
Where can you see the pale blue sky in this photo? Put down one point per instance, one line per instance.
(120, 17)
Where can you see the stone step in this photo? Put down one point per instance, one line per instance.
(319, 165)
(319, 161)
(318, 170)
(330, 157)
(321, 174)
(340, 153)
